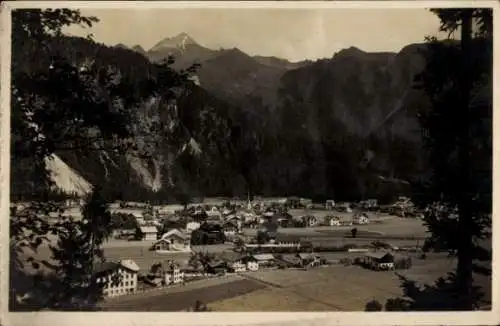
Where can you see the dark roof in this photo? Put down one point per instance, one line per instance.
(105, 266)
(289, 258)
(304, 255)
(378, 254)
(217, 264)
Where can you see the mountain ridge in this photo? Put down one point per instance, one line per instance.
(313, 123)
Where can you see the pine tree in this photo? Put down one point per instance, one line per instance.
(457, 128)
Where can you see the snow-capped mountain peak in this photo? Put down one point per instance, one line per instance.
(181, 41)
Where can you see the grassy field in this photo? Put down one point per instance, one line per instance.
(336, 287)
(333, 288)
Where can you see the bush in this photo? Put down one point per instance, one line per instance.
(373, 305)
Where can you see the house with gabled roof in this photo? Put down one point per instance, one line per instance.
(380, 260)
(173, 240)
(148, 233)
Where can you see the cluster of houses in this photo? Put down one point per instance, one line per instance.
(230, 220)
(124, 277)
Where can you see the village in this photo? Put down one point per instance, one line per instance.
(173, 246)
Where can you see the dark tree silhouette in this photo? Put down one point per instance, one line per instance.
(457, 125)
(373, 305)
(458, 131)
(76, 252)
(65, 103)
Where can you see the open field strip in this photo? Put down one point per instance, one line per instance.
(189, 286)
(336, 287)
(182, 300)
(268, 300)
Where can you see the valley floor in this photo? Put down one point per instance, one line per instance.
(334, 288)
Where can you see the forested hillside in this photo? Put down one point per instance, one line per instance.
(334, 128)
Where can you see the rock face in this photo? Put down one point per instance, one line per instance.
(67, 179)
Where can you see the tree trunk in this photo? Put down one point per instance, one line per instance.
(464, 252)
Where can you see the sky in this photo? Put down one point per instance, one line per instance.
(292, 34)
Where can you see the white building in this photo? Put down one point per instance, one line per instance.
(333, 221)
(116, 278)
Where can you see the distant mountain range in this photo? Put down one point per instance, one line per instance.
(228, 73)
(326, 128)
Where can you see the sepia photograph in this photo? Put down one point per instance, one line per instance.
(262, 158)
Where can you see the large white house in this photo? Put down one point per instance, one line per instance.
(116, 278)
